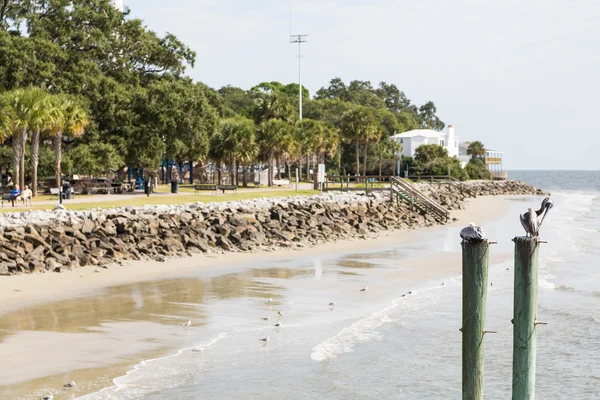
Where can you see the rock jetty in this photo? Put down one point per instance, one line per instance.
(41, 241)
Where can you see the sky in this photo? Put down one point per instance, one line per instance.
(523, 77)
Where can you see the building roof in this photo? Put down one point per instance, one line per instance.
(419, 132)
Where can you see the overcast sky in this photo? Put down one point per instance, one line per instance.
(521, 76)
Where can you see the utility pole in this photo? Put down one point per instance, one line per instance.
(299, 39)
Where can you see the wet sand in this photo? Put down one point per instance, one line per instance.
(92, 325)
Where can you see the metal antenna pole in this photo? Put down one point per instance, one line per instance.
(299, 39)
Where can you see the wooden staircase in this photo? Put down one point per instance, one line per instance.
(400, 190)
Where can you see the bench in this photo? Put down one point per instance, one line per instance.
(54, 192)
(227, 187)
(8, 196)
(5, 197)
(281, 182)
(214, 188)
(198, 188)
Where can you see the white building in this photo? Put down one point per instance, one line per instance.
(118, 5)
(412, 139)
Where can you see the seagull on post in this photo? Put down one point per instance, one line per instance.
(472, 232)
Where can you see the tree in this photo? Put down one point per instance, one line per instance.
(274, 136)
(428, 118)
(69, 120)
(234, 143)
(476, 149)
(476, 169)
(360, 126)
(24, 108)
(271, 103)
(41, 121)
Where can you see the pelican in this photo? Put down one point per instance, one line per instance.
(187, 323)
(265, 339)
(530, 220)
(278, 324)
(364, 289)
(472, 232)
(70, 384)
(48, 397)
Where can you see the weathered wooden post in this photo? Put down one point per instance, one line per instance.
(525, 315)
(475, 256)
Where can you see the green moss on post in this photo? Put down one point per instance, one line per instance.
(475, 256)
(525, 315)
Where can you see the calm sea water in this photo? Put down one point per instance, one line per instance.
(380, 345)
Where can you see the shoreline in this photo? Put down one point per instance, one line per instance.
(37, 290)
(26, 290)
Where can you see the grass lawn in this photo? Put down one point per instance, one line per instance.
(161, 199)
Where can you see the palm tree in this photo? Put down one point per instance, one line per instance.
(18, 110)
(68, 119)
(476, 149)
(41, 121)
(272, 105)
(234, 143)
(360, 126)
(274, 137)
(308, 134)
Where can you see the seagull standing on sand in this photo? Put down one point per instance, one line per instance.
(364, 289)
(266, 318)
(269, 300)
(187, 323)
(48, 397)
(279, 313)
(530, 220)
(265, 339)
(70, 384)
(278, 324)
(472, 232)
(332, 304)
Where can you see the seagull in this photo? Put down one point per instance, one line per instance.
(443, 283)
(491, 283)
(70, 384)
(472, 232)
(197, 350)
(265, 339)
(403, 295)
(530, 220)
(332, 304)
(48, 397)
(187, 323)
(278, 324)
(269, 300)
(364, 289)
(279, 313)
(409, 292)
(266, 318)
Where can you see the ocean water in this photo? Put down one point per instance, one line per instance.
(385, 343)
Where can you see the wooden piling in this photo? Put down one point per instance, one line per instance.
(475, 256)
(525, 315)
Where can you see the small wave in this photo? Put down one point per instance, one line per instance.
(361, 331)
(162, 378)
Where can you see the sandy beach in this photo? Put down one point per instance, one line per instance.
(92, 325)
